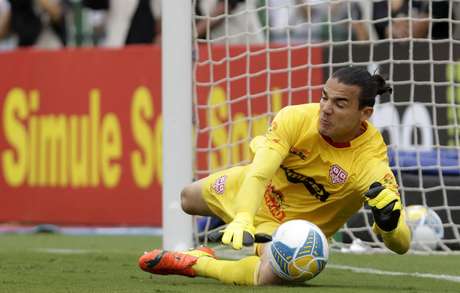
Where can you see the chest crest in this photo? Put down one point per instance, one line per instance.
(337, 175)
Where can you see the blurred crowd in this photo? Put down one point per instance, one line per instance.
(114, 23)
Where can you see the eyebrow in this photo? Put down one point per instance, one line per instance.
(336, 98)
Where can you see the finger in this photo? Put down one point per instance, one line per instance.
(395, 205)
(383, 199)
(216, 236)
(387, 210)
(237, 240)
(227, 237)
(374, 190)
(385, 202)
(262, 238)
(248, 239)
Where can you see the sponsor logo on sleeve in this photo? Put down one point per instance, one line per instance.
(300, 153)
(274, 202)
(390, 182)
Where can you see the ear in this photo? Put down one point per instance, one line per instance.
(366, 113)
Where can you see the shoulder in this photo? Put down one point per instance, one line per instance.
(375, 136)
(371, 160)
(302, 110)
(298, 116)
(372, 148)
(292, 122)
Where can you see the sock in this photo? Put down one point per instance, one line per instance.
(237, 272)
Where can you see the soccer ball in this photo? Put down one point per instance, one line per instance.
(299, 251)
(426, 226)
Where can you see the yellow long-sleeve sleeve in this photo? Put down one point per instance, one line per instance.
(264, 165)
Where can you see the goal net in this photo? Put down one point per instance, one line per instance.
(251, 58)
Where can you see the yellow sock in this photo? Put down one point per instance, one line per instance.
(237, 272)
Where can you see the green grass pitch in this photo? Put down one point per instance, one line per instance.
(58, 263)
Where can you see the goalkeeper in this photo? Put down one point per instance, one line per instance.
(317, 162)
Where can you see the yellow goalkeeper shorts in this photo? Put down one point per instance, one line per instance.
(219, 191)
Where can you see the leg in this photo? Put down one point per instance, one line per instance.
(213, 195)
(251, 270)
(266, 276)
(210, 196)
(192, 200)
(201, 262)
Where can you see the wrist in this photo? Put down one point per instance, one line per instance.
(245, 217)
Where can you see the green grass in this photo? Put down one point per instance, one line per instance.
(57, 263)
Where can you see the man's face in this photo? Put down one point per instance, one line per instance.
(340, 117)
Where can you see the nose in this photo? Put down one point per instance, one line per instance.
(326, 106)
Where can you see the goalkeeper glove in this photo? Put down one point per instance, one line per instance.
(385, 205)
(239, 232)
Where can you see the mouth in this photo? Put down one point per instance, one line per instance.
(324, 122)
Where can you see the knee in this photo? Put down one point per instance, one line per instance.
(186, 198)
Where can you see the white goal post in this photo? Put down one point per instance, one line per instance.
(253, 57)
(177, 115)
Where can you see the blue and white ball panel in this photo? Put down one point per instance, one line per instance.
(299, 251)
(282, 255)
(313, 245)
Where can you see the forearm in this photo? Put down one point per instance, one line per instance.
(250, 196)
(261, 170)
(397, 240)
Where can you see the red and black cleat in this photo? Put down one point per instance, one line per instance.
(163, 262)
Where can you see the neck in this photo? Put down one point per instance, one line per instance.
(335, 143)
(345, 141)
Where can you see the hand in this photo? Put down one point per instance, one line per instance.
(239, 232)
(386, 206)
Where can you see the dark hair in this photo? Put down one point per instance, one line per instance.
(370, 85)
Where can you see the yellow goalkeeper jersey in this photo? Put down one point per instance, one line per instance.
(318, 180)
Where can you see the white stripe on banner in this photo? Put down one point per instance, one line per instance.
(451, 278)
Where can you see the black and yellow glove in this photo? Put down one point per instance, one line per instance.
(385, 205)
(232, 229)
(240, 231)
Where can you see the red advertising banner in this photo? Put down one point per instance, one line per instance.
(238, 92)
(80, 134)
(80, 138)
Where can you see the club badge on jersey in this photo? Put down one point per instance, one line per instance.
(219, 185)
(337, 175)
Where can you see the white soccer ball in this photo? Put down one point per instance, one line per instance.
(299, 251)
(426, 226)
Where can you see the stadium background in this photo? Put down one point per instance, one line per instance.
(80, 141)
(80, 146)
